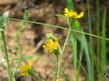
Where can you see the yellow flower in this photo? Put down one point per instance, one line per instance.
(51, 45)
(25, 68)
(73, 14)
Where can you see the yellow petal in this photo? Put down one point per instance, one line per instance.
(72, 14)
(80, 15)
(66, 10)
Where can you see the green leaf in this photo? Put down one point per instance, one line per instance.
(50, 36)
(4, 21)
(70, 4)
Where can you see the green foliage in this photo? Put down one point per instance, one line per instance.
(4, 21)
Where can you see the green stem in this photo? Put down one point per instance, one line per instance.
(66, 40)
(7, 56)
(58, 68)
(98, 27)
(59, 57)
(61, 27)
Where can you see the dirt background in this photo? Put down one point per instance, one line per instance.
(32, 38)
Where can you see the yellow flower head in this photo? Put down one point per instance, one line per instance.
(73, 14)
(51, 45)
(25, 68)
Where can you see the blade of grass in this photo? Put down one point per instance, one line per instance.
(91, 42)
(103, 47)
(98, 27)
(98, 33)
(62, 27)
(82, 39)
(70, 5)
(84, 46)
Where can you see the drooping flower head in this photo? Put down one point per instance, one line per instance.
(51, 45)
(72, 14)
(25, 68)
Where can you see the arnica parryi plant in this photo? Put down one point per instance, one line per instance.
(72, 14)
(24, 70)
(51, 45)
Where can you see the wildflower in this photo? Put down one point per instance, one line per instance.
(51, 45)
(73, 14)
(24, 70)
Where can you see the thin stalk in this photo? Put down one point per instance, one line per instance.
(61, 27)
(68, 34)
(91, 41)
(59, 57)
(98, 27)
(103, 48)
(89, 25)
(91, 77)
(7, 56)
(58, 68)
